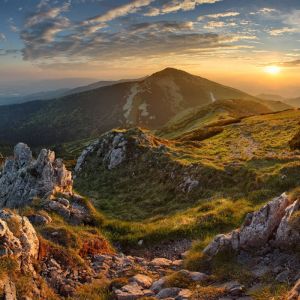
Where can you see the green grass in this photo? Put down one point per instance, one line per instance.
(238, 170)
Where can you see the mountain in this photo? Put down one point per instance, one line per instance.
(295, 102)
(271, 97)
(150, 102)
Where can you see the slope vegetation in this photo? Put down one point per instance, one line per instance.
(149, 102)
(187, 187)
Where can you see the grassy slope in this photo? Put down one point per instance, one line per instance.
(212, 114)
(239, 169)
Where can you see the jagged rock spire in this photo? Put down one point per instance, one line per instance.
(24, 178)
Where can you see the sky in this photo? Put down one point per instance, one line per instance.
(234, 42)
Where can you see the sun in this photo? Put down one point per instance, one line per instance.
(273, 70)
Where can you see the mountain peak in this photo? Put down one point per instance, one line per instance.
(171, 71)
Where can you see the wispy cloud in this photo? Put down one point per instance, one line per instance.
(264, 11)
(119, 11)
(281, 31)
(293, 63)
(218, 24)
(178, 5)
(219, 15)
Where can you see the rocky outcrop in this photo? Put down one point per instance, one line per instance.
(117, 146)
(259, 228)
(288, 233)
(18, 240)
(72, 210)
(24, 178)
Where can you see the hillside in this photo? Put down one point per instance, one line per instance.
(245, 161)
(153, 199)
(295, 102)
(149, 102)
(219, 112)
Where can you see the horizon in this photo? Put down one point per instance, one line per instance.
(254, 47)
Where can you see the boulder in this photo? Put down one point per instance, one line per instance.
(158, 285)
(161, 262)
(168, 293)
(38, 219)
(257, 230)
(143, 280)
(24, 178)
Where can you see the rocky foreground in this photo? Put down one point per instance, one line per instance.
(39, 249)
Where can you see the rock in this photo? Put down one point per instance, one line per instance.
(24, 178)
(194, 276)
(158, 285)
(64, 202)
(197, 276)
(283, 277)
(168, 293)
(112, 149)
(85, 153)
(256, 231)
(294, 294)
(184, 294)
(234, 288)
(129, 292)
(19, 241)
(161, 262)
(143, 280)
(177, 263)
(189, 184)
(37, 219)
(59, 208)
(10, 291)
(287, 236)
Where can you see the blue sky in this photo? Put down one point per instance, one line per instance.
(42, 39)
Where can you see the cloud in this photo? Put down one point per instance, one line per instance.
(281, 31)
(216, 24)
(161, 26)
(264, 11)
(2, 37)
(119, 11)
(50, 38)
(45, 13)
(178, 5)
(9, 52)
(290, 64)
(293, 18)
(219, 15)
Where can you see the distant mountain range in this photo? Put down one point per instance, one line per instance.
(295, 102)
(91, 110)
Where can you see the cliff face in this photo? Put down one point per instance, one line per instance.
(24, 178)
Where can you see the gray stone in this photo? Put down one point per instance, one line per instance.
(168, 293)
(24, 178)
(257, 230)
(37, 219)
(283, 277)
(158, 285)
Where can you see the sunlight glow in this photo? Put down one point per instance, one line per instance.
(273, 70)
